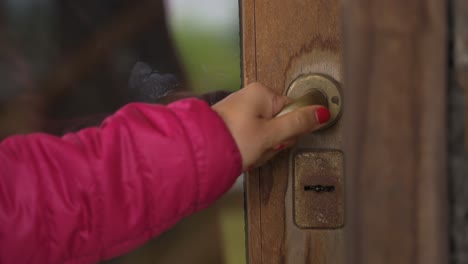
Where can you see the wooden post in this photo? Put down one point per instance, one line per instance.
(458, 125)
(395, 139)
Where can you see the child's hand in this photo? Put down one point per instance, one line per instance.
(249, 115)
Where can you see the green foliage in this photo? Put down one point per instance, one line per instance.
(211, 59)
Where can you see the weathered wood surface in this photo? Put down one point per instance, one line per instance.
(281, 41)
(395, 131)
(458, 121)
(461, 53)
(252, 181)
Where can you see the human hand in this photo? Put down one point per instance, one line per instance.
(250, 117)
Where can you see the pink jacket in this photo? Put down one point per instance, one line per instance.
(102, 192)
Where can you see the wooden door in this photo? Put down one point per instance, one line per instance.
(283, 40)
(393, 130)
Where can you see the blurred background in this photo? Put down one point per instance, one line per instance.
(67, 64)
(206, 34)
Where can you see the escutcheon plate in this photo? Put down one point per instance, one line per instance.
(320, 210)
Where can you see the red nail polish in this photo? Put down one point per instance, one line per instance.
(323, 115)
(279, 147)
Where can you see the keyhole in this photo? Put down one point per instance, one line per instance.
(319, 188)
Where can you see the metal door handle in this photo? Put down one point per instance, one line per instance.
(313, 97)
(315, 89)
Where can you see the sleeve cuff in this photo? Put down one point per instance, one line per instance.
(216, 154)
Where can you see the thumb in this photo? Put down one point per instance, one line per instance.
(296, 123)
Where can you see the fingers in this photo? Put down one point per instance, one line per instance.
(296, 123)
(285, 144)
(270, 153)
(278, 102)
(281, 102)
(250, 117)
(268, 103)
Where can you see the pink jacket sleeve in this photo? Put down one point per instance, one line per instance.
(102, 192)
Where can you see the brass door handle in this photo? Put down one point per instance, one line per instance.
(313, 97)
(315, 89)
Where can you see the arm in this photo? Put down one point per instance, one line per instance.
(103, 191)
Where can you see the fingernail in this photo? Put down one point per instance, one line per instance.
(279, 147)
(322, 114)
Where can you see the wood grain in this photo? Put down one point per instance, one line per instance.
(251, 181)
(281, 41)
(395, 124)
(461, 54)
(458, 159)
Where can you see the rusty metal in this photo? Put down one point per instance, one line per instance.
(324, 209)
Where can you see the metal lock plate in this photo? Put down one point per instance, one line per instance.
(318, 184)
